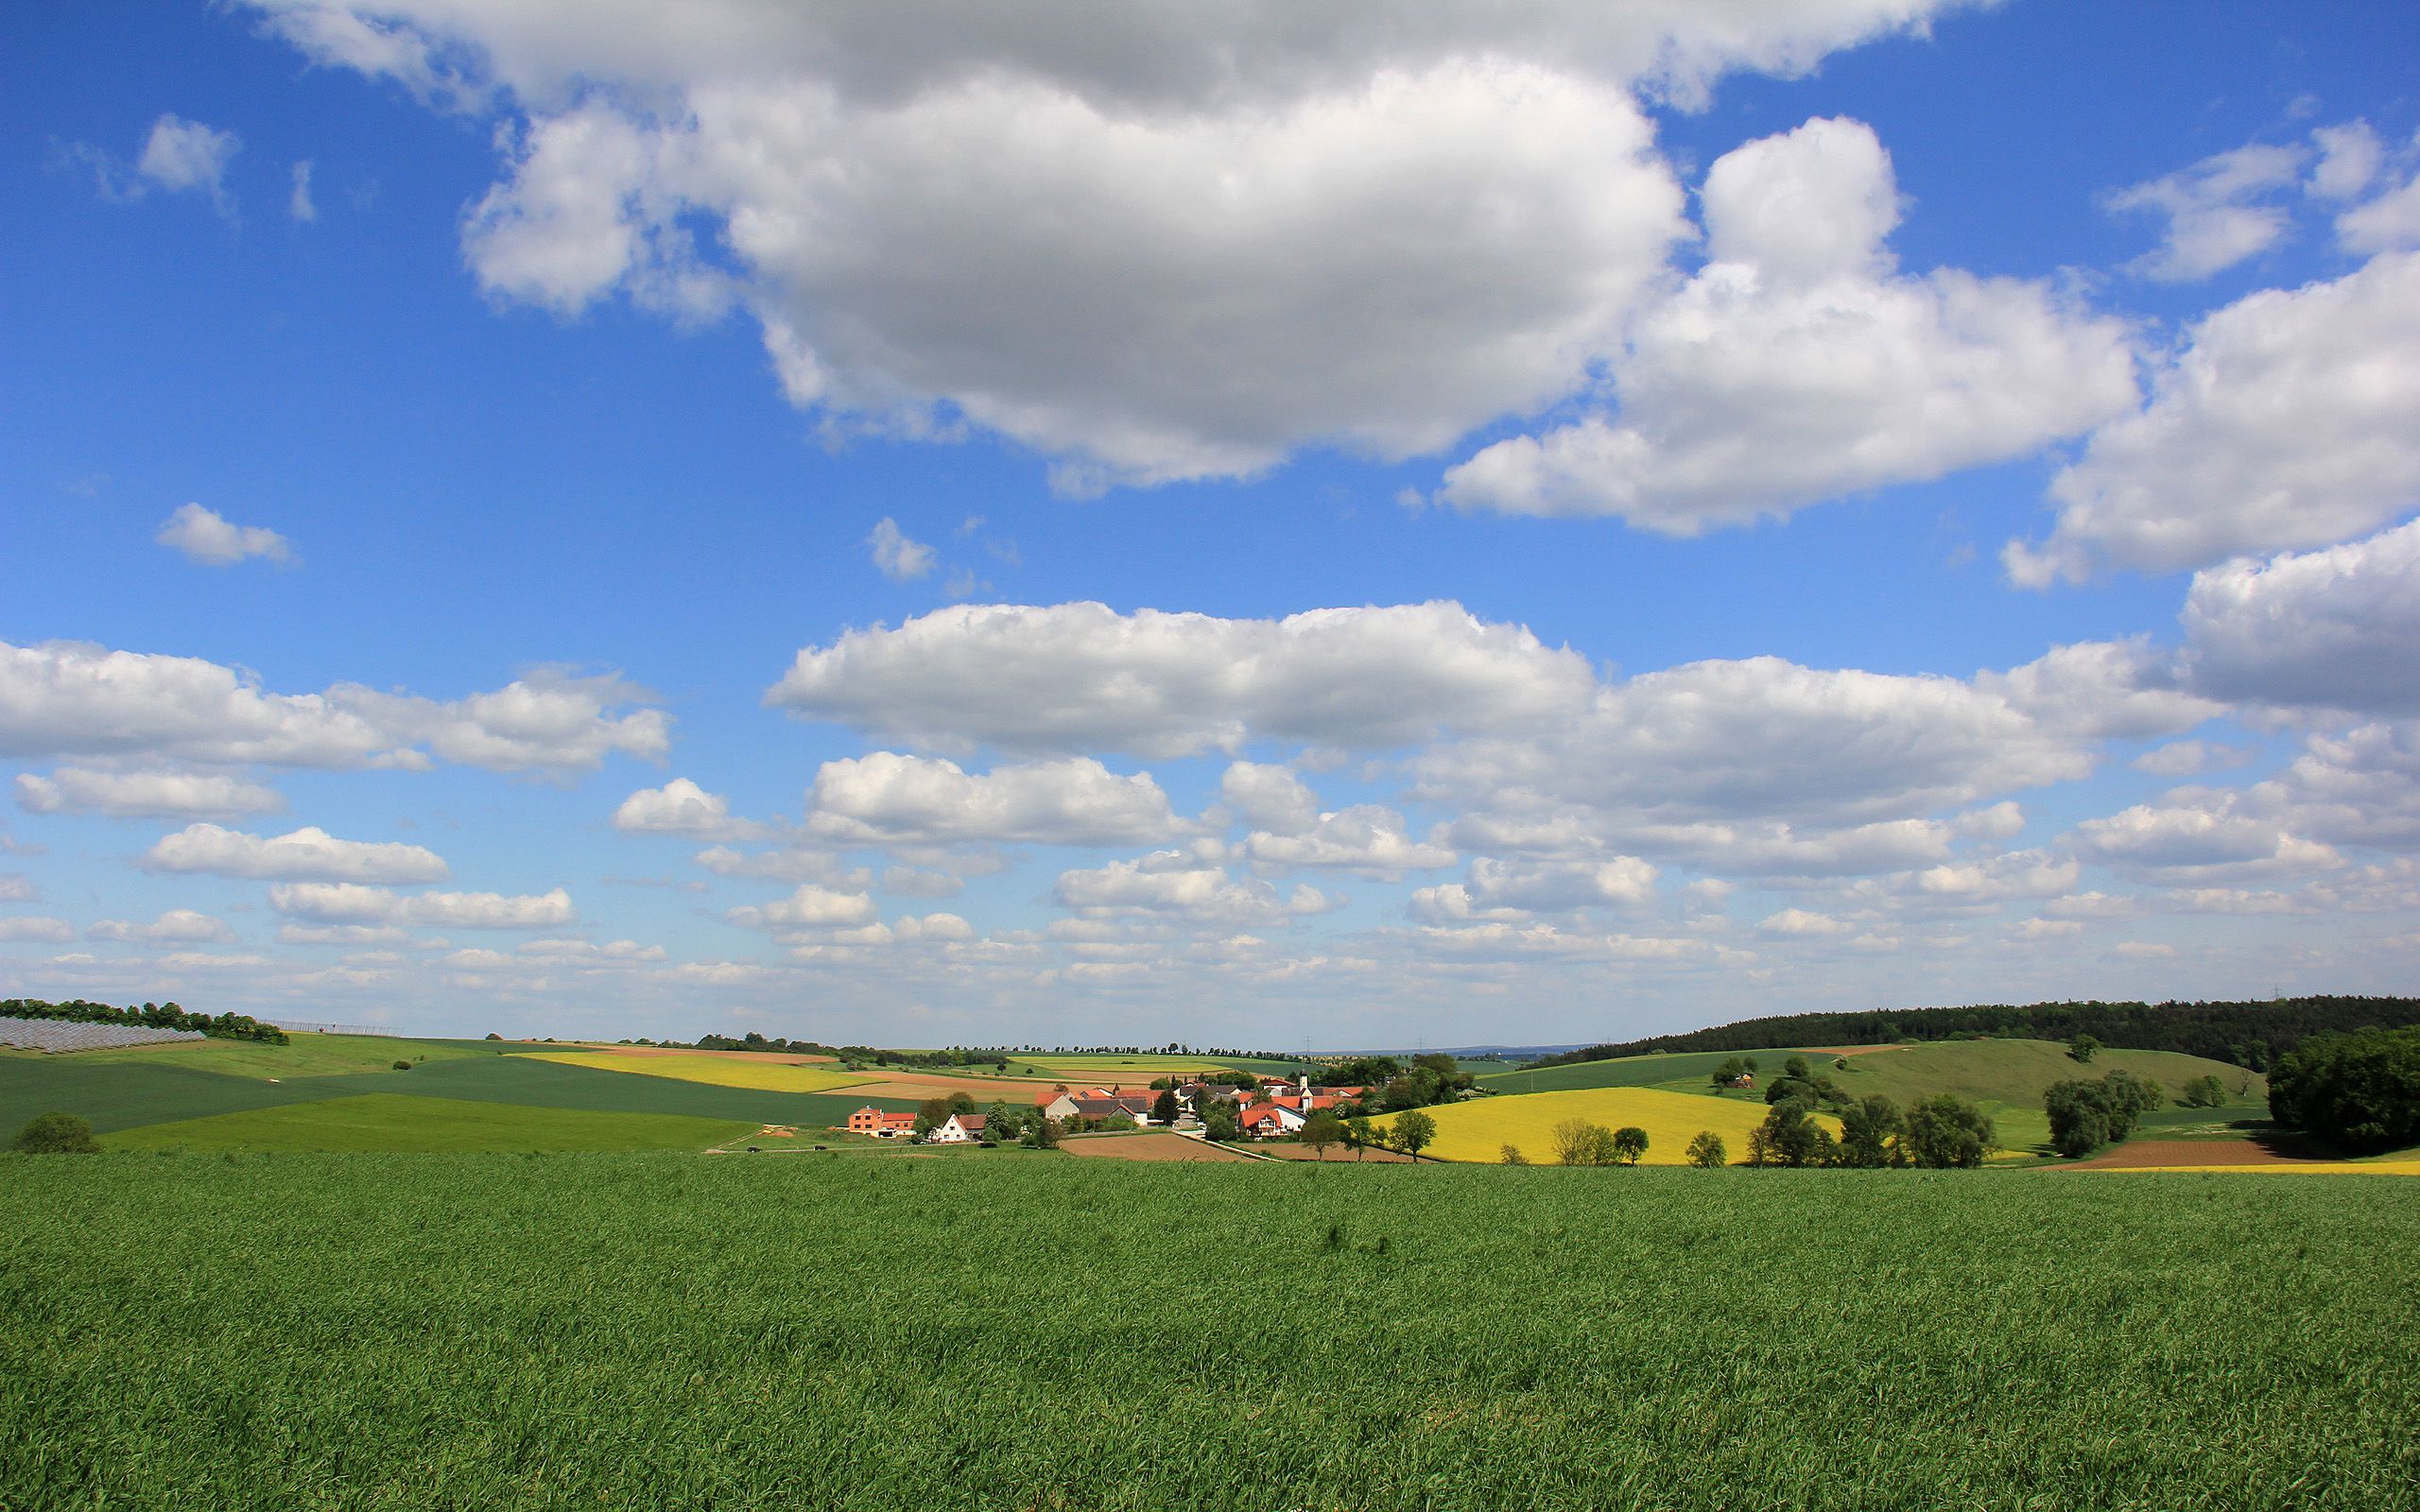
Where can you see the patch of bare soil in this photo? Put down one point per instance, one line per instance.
(1145, 1147)
(2185, 1152)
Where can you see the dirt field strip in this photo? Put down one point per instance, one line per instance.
(2173, 1153)
(1148, 1147)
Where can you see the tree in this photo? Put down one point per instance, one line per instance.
(2359, 1092)
(1729, 1071)
(1797, 1066)
(1221, 1125)
(1706, 1151)
(1629, 1143)
(1414, 1131)
(1512, 1156)
(1165, 1109)
(931, 1115)
(1358, 1134)
(1791, 1138)
(2203, 1092)
(1578, 1141)
(1946, 1131)
(1868, 1131)
(1321, 1130)
(57, 1134)
(2083, 1047)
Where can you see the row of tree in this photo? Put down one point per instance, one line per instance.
(150, 1016)
(2359, 1091)
(2248, 1034)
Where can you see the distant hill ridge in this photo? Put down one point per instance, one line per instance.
(2245, 1034)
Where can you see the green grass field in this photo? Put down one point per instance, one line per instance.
(383, 1122)
(812, 1332)
(306, 1055)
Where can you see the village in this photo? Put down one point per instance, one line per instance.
(1266, 1109)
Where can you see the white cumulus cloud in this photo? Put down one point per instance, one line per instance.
(888, 799)
(1406, 228)
(310, 853)
(2288, 418)
(1799, 364)
(207, 537)
(345, 903)
(71, 698)
(145, 794)
(896, 556)
(1082, 677)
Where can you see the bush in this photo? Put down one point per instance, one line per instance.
(2360, 1092)
(1708, 1150)
(403, 1065)
(2203, 1092)
(57, 1134)
(1512, 1156)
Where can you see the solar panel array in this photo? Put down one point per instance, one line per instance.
(62, 1035)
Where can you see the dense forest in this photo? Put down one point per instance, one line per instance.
(2247, 1033)
(150, 1016)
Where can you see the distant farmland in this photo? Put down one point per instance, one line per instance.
(1478, 1130)
(667, 1332)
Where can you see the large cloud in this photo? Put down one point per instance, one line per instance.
(2288, 418)
(1763, 739)
(310, 853)
(1082, 677)
(145, 794)
(887, 798)
(1367, 839)
(1513, 891)
(1155, 241)
(809, 907)
(1798, 365)
(345, 903)
(69, 698)
(1171, 883)
(2336, 630)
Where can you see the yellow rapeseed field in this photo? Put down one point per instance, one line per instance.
(766, 1076)
(1478, 1130)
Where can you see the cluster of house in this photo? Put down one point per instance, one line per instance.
(1273, 1108)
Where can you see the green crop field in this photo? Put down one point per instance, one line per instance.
(117, 1095)
(1694, 1067)
(371, 1331)
(383, 1122)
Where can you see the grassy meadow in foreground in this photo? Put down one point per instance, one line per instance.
(819, 1331)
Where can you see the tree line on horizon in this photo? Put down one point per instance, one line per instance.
(150, 1016)
(2249, 1034)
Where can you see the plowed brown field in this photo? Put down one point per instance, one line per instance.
(1146, 1147)
(2187, 1152)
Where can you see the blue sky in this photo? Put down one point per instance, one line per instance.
(1517, 525)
